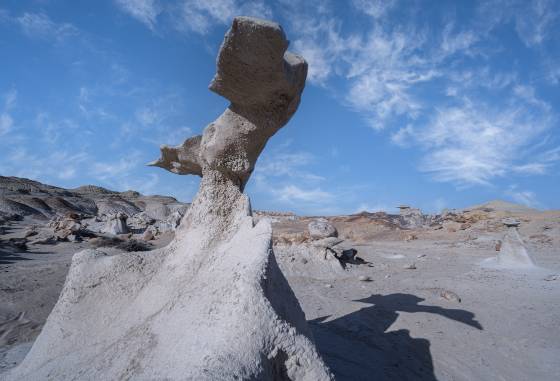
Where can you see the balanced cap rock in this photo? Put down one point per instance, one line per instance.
(213, 304)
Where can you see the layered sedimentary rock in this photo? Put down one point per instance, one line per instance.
(213, 305)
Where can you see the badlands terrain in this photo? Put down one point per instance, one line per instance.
(402, 296)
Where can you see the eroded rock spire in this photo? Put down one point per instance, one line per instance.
(264, 82)
(213, 304)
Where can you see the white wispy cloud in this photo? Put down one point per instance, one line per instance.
(294, 194)
(523, 197)
(197, 16)
(6, 120)
(111, 170)
(52, 130)
(40, 25)
(49, 167)
(473, 143)
(366, 207)
(534, 20)
(287, 164)
(10, 99)
(403, 136)
(374, 8)
(6, 123)
(145, 11)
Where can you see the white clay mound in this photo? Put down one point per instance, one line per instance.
(181, 313)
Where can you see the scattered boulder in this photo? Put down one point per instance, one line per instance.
(411, 237)
(68, 228)
(321, 228)
(30, 232)
(141, 220)
(148, 235)
(171, 223)
(116, 224)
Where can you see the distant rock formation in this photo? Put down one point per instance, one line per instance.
(24, 198)
(213, 305)
(512, 252)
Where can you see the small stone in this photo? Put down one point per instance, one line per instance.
(552, 277)
(498, 246)
(30, 233)
(450, 295)
(329, 286)
(411, 237)
(51, 240)
(420, 255)
(511, 222)
(73, 238)
(465, 226)
(364, 278)
(148, 235)
(411, 266)
(304, 261)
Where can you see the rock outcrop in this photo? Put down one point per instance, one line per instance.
(116, 224)
(213, 305)
(24, 198)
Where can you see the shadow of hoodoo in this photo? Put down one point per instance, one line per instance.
(357, 346)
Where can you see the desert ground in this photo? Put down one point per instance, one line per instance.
(424, 297)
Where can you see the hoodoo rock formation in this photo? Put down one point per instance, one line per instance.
(213, 305)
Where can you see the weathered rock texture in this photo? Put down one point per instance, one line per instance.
(116, 224)
(213, 305)
(321, 228)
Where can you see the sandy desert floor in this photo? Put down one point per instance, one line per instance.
(397, 326)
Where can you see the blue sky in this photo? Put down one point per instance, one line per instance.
(433, 104)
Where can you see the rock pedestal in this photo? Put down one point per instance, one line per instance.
(512, 251)
(213, 305)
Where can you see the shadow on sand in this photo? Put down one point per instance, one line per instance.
(356, 346)
(8, 257)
